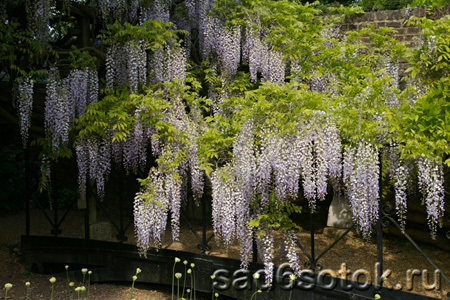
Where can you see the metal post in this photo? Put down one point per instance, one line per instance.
(121, 236)
(204, 243)
(86, 212)
(255, 251)
(313, 255)
(379, 231)
(379, 253)
(54, 187)
(27, 192)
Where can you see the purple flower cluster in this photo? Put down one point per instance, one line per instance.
(126, 63)
(197, 175)
(112, 10)
(400, 185)
(150, 212)
(158, 10)
(265, 245)
(133, 151)
(261, 58)
(57, 118)
(176, 63)
(289, 240)
(361, 176)
(24, 105)
(313, 154)
(431, 184)
(93, 160)
(81, 89)
(244, 161)
(226, 199)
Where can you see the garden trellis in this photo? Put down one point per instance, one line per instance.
(269, 99)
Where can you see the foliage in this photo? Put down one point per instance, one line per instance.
(430, 3)
(371, 5)
(426, 123)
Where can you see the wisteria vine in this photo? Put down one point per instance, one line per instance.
(256, 163)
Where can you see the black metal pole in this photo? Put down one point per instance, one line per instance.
(27, 192)
(379, 231)
(255, 251)
(122, 186)
(55, 230)
(204, 244)
(86, 212)
(313, 255)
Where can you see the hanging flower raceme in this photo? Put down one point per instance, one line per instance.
(400, 185)
(265, 243)
(289, 240)
(226, 198)
(134, 148)
(258, 55)
(262, 58)
(244, 160)
(361, 178)
(158, 10)
(176, 63)
(38, 12)
(278, 166)
(320, 158)
(24, 104)
(161, 195)
(94, 162)
(111, 10)
(81, 88)
(57, 119)
(431, 185)
(197, 175)
(151, 207)
(312, 154)
(82, 156)
(126, 63)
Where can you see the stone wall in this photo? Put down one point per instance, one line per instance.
(389, 18)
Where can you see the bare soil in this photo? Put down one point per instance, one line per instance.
(356, 253)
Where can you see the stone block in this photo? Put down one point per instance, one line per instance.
(100, 231)
(335, 233)
(381, 15)
(413, 30)
(339, 213)
(394, 24)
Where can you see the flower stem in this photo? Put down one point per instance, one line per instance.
(132, 288)
(193, 278)
(254, 295)
(173, 278)
(184, 284)
(89, 285)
